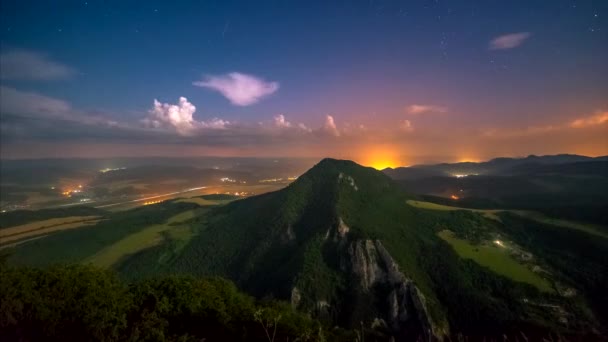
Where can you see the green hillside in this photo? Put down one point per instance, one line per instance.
(341, 244)
(315, 242)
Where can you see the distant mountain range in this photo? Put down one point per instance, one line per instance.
(497, 166)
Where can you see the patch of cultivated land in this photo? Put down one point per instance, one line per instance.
(45, 227)
(497, 259)
(489, 213)
(146, 238)
(532, 215)
(198, 200)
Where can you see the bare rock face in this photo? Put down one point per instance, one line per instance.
(343, 229)
(372, 265)
(296, 296)
(340, 232)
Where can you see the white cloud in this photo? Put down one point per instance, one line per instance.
(304, 127)
(179, 117)
(29, 65)
(421, 108)
(593, 120)
(20, 103)
(509, 41)
(214, 123)
(407, 126)
(240, 89)
(280, 121)
(330, 126)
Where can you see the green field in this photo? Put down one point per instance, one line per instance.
(497, 259)
(532, 215)
(197, 200)
(541, 218)
(489, 213)
(43, 227)
(145, 238)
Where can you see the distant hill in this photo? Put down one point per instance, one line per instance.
(566, 186)
(497, 166)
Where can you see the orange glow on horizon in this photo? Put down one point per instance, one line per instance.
(380, 157)
(468, 160)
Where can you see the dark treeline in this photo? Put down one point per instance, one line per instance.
(83, 303)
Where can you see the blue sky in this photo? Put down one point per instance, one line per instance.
(477, 66)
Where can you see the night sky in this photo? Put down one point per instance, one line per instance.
(385, 83)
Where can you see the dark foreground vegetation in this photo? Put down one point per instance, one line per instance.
(83, 303)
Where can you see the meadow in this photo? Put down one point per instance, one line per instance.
(42, 227)
(529, 214)
(497, 259)
(146, 238)
(488, 213)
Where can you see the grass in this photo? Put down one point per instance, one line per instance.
(183, 216)
(541, 218)
(32, 228)
(199, 201)
(145, 238)
(488, 213)
(532, 215)
(496, 259)
(46, 231)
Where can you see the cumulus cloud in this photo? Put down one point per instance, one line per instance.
(180, 117)
(509, 41)
(422, 109)
(20, 103)
(598, 118)
(330, 126)
(29, 65)
(281, 122)
(240, 89)
(304, 127)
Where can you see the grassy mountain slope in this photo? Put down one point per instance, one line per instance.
(306, 243)
(342, 244)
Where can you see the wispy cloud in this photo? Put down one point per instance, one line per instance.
(30, 65)
(180, 117)
(588, 122)
(425, 108)
(21, 103)
(509, 41)
(240, 89)
(520, 132)
(598, 118)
